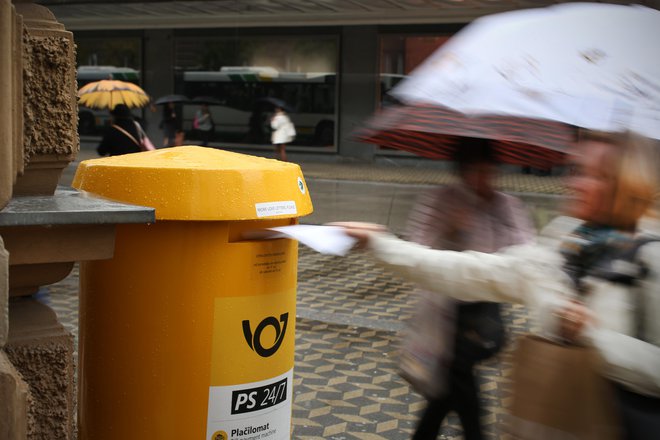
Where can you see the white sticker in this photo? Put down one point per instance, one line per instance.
(252, 411)
(270, 209)
(301, 185)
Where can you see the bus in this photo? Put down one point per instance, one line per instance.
(241, 106)
(92, 121)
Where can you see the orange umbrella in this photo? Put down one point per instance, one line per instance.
(106, 94)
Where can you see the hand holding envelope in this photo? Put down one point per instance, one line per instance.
(333, 238)
(359, 230)
(330, 240)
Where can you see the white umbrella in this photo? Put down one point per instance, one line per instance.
(592, 65)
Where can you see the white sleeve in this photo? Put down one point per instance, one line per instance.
(633, 363)
(471, 276)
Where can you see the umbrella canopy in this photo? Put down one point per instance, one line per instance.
(171, 98)
(206, 100)
(591, 65)
(432, 132)
(276, 102)
(106, 94)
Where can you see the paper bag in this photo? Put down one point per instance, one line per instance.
(559, 393)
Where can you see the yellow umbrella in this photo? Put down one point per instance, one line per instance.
(108, 93)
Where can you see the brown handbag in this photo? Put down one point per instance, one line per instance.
(559, 393)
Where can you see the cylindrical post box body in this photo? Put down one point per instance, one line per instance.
(188, 332)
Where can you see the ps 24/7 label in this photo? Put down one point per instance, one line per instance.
(252, 352)
(255, 411)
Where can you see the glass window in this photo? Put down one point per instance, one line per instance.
(243, 78)
(400, 54)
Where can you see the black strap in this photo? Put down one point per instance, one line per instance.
(126, 133)
(605, 267)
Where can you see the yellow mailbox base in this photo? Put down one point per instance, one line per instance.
(188, 333)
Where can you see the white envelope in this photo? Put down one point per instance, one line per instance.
(330, 240)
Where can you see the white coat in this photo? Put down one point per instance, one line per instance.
(532, 274)
(283, 129)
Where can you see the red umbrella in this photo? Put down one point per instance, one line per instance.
(432, 131)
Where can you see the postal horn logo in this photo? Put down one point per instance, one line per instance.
(220, 435)
(254, 339)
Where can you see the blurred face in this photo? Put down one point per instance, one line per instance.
(479, 178)
(593, 183)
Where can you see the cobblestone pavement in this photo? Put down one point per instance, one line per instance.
(346, 385)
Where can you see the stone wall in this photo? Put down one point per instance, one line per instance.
(38, 138)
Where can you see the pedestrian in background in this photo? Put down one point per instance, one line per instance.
(169, 124)
(124, 135)
(283, 132)
(204, 124)
(469, 215)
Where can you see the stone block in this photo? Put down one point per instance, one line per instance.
(50, 111)
(13, 402)
(41, 349)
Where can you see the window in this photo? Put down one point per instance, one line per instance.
(244, 76)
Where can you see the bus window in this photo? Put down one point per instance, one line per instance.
(244, 114)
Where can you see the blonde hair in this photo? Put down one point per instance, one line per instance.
(635, 175)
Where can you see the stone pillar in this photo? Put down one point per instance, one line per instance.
(17, 107)
(42, 351)
(13, 402)
(13, 390)
(38, 138)
(7, 159)
(50, 110)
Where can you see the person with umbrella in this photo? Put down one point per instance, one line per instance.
(593, 279)
(124, 136)
(469, 215)
(171, 121)
(169, 124)
(283, 131)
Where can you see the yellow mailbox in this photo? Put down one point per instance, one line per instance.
(188, 332)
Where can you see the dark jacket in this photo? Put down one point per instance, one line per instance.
(115, 142)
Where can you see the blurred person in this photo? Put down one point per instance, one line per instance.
(124, 135)
(169, 124)
(283, 132)
(179, 138)
(203, 122)
(569, 278)
(469, 215)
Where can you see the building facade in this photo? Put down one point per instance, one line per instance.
(330, 62)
